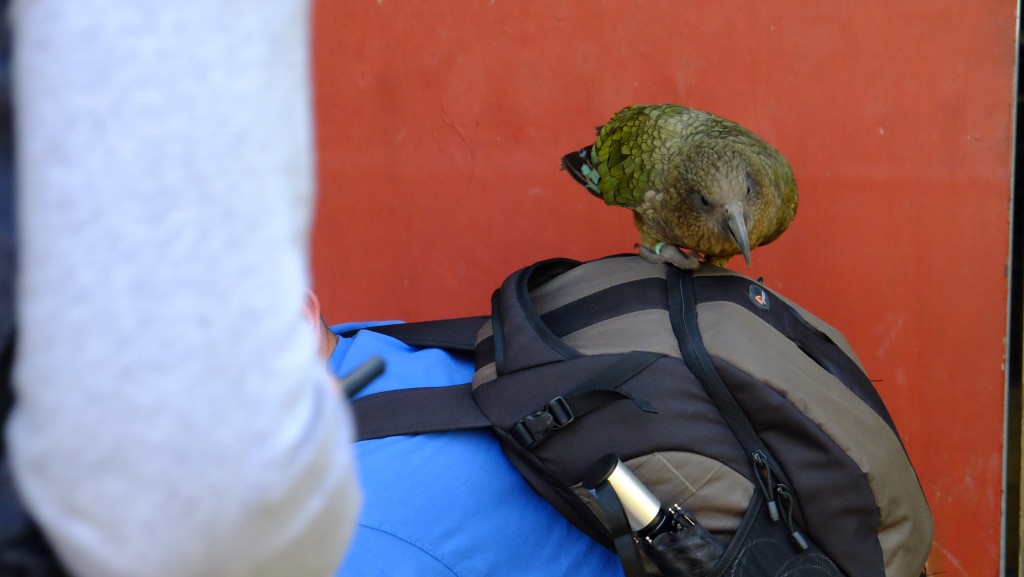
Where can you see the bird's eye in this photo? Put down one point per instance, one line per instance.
(703, 200)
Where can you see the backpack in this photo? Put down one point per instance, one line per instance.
(744, 426)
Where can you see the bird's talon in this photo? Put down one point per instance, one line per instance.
(718, 261)
(663, 253)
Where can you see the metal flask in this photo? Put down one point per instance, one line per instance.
(671, 538)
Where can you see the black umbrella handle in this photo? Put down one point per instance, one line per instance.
(689, 550)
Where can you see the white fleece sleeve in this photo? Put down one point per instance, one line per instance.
(173, 418)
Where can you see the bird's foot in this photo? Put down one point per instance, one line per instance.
(662, 253)
(719, 261)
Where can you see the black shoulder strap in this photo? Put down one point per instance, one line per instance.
(618, 525)
(457, 334)
(682, 307)
(417, 411)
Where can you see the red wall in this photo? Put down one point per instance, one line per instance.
(441, 125)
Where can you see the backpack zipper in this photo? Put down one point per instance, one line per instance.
(786, 498)
(698, 361)
(763, 472)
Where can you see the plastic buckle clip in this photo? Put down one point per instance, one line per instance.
(533, 429)
(560, 412)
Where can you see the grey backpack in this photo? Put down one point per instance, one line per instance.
(748, 429)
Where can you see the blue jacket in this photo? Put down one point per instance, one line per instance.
(450, 504)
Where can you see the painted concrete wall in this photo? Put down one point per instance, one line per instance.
(441, 125)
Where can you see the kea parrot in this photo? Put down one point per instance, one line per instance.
(692, 179)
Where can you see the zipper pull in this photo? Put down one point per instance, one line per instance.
(681, 517)
(795, 535)
(764, 478)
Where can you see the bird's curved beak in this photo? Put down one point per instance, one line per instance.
(738, 229)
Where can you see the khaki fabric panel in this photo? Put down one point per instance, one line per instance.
(649, 330)
(485, 331)
(485, 374)
(716, 495)
(712, 270)
(590, 278)
(488, 372)
(740, 338)
(836, 336)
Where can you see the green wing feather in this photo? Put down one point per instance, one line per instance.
(631, 148)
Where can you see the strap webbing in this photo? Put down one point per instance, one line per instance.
(618, 525)
(587, 397)
(594, 393)
(417, 411)
(449, 334)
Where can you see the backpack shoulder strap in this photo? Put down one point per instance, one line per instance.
(458, 335)
(417, 411)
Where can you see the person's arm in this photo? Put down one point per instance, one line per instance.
(173, 418)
